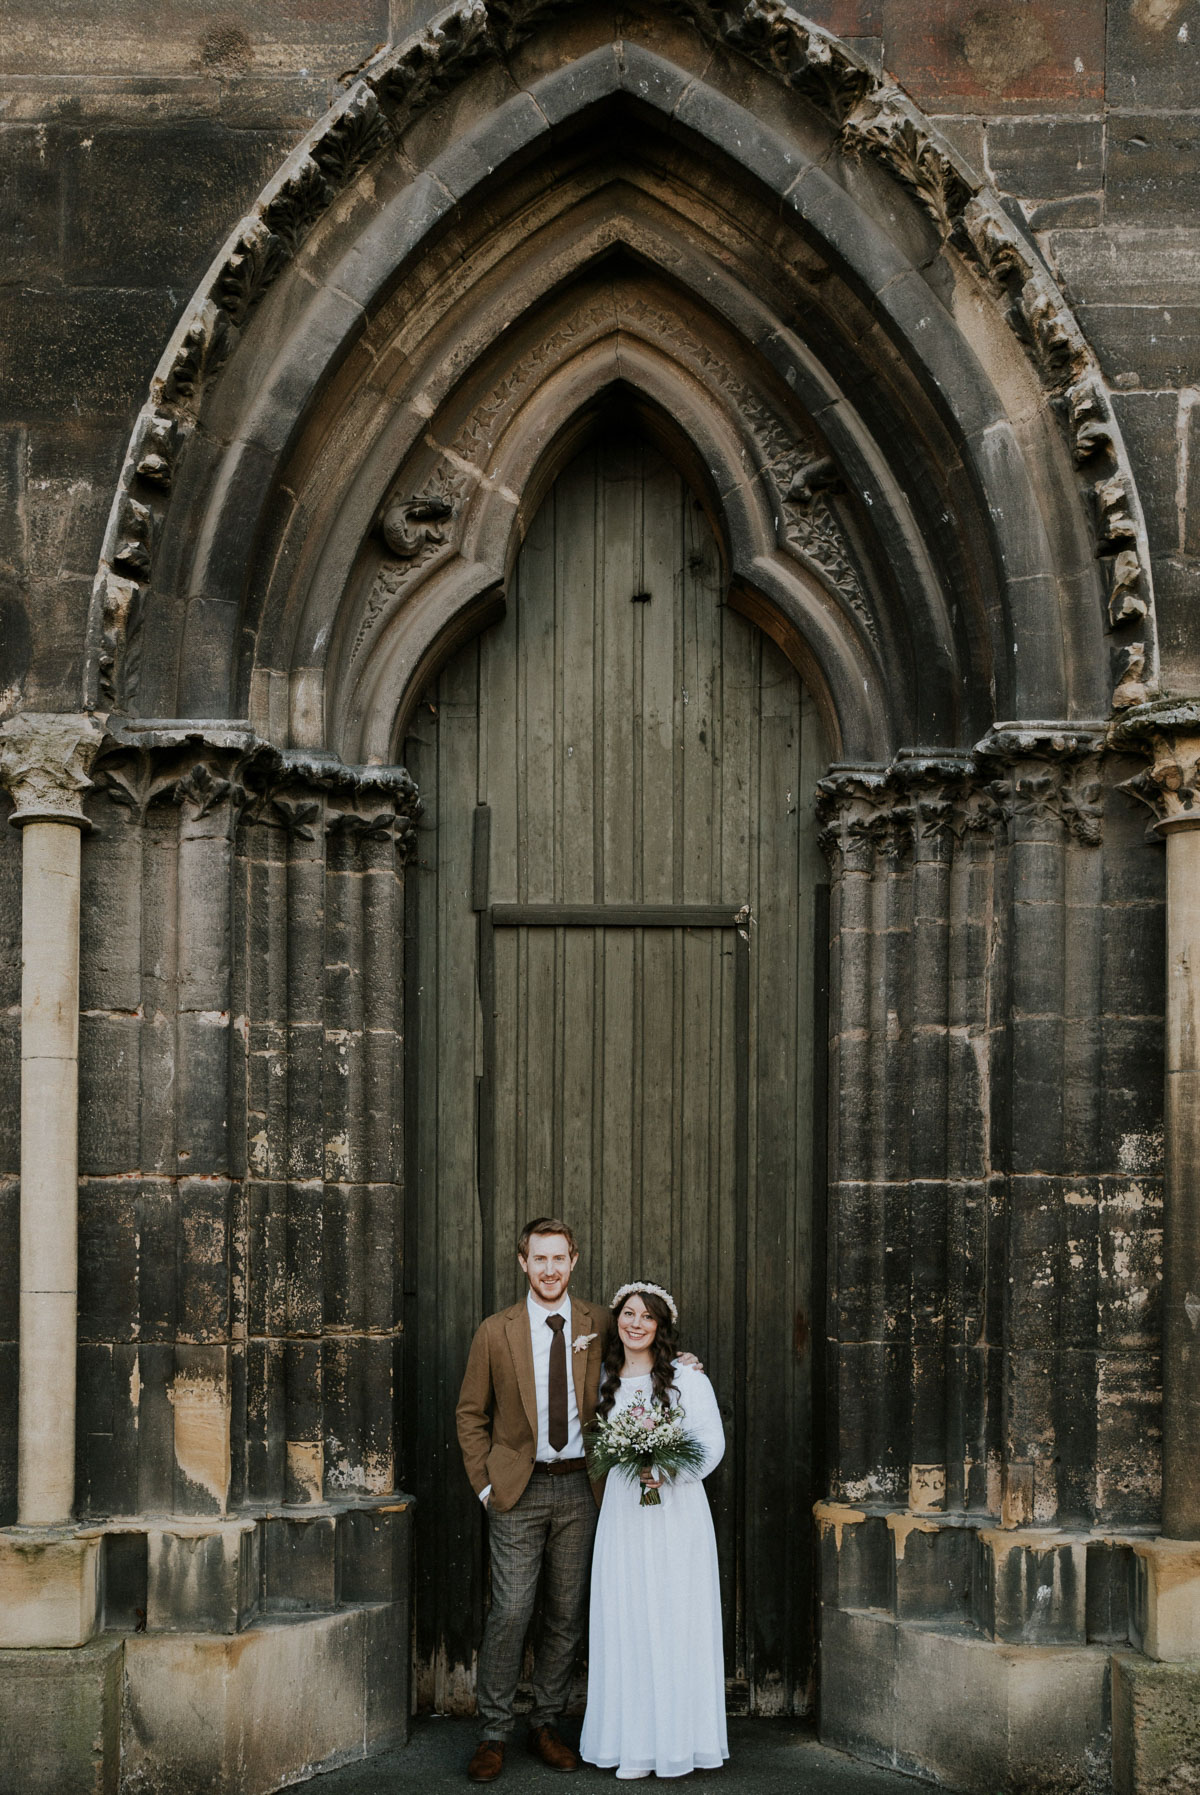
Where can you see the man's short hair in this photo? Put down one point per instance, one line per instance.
(545, 1224)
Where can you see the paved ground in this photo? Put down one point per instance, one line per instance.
(766, 1757)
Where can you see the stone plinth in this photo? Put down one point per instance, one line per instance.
(1166, 1609)
(1156, 1726)
(970, 1652)
(202, 1576)
(248, 1713)
(200, 1682)
(49, 1587)
(979, 1715)
(60, 1720)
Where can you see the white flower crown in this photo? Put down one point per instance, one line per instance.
(647, 1290)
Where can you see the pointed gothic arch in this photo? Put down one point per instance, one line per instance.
(928, 434)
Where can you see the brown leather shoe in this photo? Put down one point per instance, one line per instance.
(545, 1743)
(487, 1762)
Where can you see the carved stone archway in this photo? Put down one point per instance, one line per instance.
(893, 274)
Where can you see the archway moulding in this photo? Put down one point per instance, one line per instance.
(370, 138)
(448, 537)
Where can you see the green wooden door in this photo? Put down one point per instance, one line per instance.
(611, 1000)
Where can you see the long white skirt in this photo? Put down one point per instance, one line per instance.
(656, 1669)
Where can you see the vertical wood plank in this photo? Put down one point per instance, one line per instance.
(617, 722)
(617, 1195)
(578, 1126)
(659, 1052)
(508, 1216)
(536, 725)
(700, 725)
(498, 784)
(576, 550)
(657, 614)
(540, 1013)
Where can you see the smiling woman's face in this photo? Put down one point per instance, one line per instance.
(636, 1326)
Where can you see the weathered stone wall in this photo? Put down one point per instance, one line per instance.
(995, 1214)
(131, 142)
(241, 1252)
(10, 1149)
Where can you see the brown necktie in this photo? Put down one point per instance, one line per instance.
(557, 1430)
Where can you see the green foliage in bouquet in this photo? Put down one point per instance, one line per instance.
(631, 1440)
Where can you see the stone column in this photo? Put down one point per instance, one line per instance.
(1171, 786)
(44, 762)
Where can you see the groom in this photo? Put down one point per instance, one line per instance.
(531, 1385)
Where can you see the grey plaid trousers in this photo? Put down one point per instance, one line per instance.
(549, 1532)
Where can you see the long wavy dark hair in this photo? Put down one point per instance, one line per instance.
(666, 1346)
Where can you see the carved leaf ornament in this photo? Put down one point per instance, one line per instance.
(245, 779)
(1013, 778)
(1169, 733)
(203, 789)
(874, 119)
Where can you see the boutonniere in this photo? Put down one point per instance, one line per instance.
(581, 1342)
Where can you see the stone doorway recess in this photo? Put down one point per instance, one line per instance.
(613, 1006)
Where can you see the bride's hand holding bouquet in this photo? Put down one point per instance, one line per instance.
(644, 1437)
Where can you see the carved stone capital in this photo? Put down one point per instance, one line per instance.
(1063, 796)
(855, 813)
(1047, 773)
(205, 771)
(305, 792)
(925, 801)
(919, 803)
(938, 786)
(374, 804)
(46, 761)
(1169, 734)
(1011, 743)
(225, 772)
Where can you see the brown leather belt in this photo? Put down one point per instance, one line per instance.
(561, 1466)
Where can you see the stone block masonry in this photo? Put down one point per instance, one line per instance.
(204, 1398)
(1156, 1726)
(62, 1720)
(239, 1327)
(185, 1634)
(990, 917)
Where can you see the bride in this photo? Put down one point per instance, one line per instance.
(656, 1675)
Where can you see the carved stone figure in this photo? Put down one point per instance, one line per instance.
(411, 525)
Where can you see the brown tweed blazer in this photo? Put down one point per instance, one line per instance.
(497, 1405)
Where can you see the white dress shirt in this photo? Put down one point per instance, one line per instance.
(541, 1337)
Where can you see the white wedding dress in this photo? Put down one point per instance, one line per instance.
(656, 1671)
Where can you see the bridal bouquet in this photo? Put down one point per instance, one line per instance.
(642, 1436)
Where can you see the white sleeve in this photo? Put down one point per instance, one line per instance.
(702, 1418)
(485, 1493)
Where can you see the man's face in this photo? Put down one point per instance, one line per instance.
(548, 1266)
